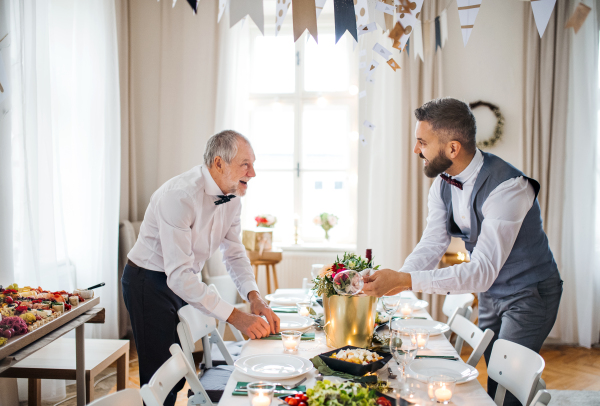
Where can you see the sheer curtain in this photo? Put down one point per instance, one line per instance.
(66, 148)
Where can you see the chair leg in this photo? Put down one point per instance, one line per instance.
(275, 276)
(268, 279)
(255, 272)
(34, 392)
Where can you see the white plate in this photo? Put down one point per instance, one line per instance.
(422, 369)
(279, 366)
(287, 299)
(434, 327)
(294, 322)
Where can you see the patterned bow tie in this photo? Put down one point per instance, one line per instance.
(451, 181)
(224, 199)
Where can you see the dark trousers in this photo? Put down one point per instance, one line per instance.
(525, 318)
(152, 308)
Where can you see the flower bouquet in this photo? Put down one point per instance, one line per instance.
(265, 220)
(326, 221)
(349, 320)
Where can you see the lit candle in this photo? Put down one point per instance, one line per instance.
(406, 310)
(442, 394)
(421, 342)
(296, 220)
(304, 312)
(290, 344)
(261, 400)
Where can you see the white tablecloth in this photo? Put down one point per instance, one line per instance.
(467, 394)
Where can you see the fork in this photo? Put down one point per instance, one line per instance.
(285, 386)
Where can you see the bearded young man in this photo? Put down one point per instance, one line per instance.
(188, 218)
(493, 208)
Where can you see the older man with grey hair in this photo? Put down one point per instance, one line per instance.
(188, 218)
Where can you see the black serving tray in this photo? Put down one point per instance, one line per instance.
(351, 368)
(391, 399)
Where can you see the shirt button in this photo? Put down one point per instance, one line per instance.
(448, 292)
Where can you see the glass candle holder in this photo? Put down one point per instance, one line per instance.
(303, 308)
(405, 309)
(421, 338)
(260, 393)
(290, 340)
(440, 388)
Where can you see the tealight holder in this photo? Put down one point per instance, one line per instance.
(405, 309)
(440, 388)
(421, 338)
(261, 393)
(303, 308)
(290, 340)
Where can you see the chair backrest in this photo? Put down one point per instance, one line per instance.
(194, 326)
(516, 369)
(126, 397)
(168, 375)
(453, 302)
(542, 398)
(225, 286)
(472, 334)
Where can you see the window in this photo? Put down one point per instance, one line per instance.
(303, 123)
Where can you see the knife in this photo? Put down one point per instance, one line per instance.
(277, 392)
(97, 286)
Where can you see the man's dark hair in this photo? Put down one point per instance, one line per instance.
(452, 119)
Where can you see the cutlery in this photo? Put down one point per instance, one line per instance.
(449, 357)
(391, 375)
(96, 286)
(285, 386)
(277, 392)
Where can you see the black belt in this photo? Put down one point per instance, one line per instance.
(131, 264)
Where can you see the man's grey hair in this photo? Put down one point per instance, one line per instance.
(453, 119)
(223, 144)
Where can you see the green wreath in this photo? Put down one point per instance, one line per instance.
(498, 131)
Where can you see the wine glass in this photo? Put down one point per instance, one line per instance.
(348, 283)
(403, 346)
(390, 306)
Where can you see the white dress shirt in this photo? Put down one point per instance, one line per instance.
(504, 211)
(182, 228)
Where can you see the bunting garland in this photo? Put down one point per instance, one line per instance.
(239, 9)
(345, 18)
(281, 9)
(542, 10)
(467, 12)
(304, 13)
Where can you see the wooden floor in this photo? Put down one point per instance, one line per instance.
(572, 368)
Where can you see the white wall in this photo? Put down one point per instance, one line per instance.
(490, 68)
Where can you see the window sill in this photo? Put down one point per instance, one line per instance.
(315, 247)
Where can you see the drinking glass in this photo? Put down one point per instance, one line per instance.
(403, 346)
(390, 305)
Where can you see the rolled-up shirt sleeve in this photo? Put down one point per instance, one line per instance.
(175, 216)
(504, 211)
(236, 260)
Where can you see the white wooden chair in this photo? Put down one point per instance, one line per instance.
(168, 375)
(228, 292)
(516, 369)
(462, 302)
(542, 398)
(469, 332)
(125, 397)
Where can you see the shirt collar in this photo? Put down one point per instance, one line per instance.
(210, 186)
(471, 169)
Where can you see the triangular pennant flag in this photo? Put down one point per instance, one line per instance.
(304, 14)
(438, 34)
(174, 2)
(408, 14)
(222, 6)
(280, 13)
(192, 3)
(376, 15)
(444, 27)
(361, 9)
(417, 40)
(239, 9)
(345, 18)
(542, 10)
(319, 4)
(578, 17)
(467, 12)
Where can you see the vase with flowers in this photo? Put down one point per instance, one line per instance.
(265, 220)
(349, 320)
(327, 221)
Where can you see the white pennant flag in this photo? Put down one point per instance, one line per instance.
(376, 15)
(222, 7)
(280, 13)
(319, 4)
(408, 15)
(542, 10)
(416, 44)
(239, 9)
(467, 12)
(444, 27)
(361, 8)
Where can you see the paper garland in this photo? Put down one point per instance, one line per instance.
(542, 10)
(319, 5)
(408, 14)
(304, 13)
(239, 9)
(281, 9)
(345, 18)
(467, 12)
(361, 10)
(578, 17)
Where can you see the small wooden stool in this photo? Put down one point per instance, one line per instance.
(269, 259)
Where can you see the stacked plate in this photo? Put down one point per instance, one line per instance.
(294, 322)
(273, 366)
(422, 369)
(288, 298)
(434, 327)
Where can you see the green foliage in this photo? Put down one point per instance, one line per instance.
(323, 284)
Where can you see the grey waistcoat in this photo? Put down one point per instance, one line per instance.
(530, 260)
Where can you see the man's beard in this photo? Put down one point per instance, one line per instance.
(437, 165)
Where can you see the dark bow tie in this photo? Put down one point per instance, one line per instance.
(451, 181)
(224, 199)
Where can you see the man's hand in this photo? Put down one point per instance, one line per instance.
(260, 307)
(386, 282)
(249, 324)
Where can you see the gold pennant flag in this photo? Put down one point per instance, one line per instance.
(578, 17)
(397, 45)
(304, 14)
(393, 64)
(397, 32)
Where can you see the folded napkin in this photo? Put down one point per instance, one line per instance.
(450, 357)
(326, 371)
(305, 336)
(235, 392)
(285, 309)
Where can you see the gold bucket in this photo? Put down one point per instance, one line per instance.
(349, 320)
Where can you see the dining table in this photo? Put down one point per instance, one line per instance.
(465, 394)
